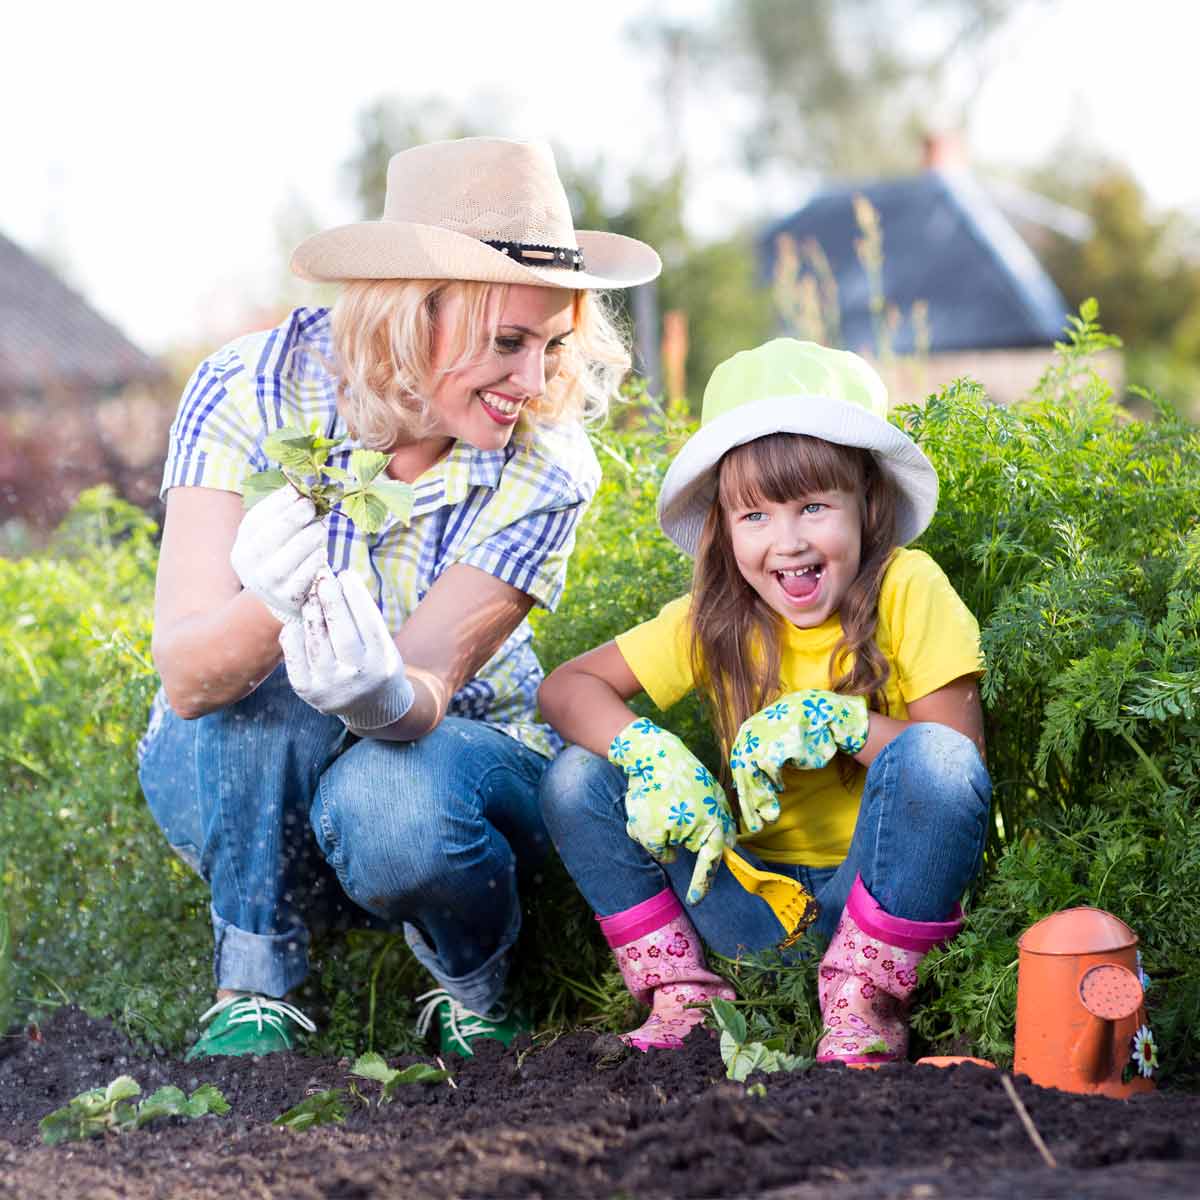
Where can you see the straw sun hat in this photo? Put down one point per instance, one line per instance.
(486, 209)
(787, 386)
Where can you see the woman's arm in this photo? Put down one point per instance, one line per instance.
(465, 617)
(213, 642)
(584, 699)
(956, 705)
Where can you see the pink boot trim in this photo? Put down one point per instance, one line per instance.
(867, 978)
(624, 927)
(662, 962)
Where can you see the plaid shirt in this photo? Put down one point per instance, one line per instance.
(510, 512)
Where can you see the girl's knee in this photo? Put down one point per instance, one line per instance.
(949, 761)
(576, 782)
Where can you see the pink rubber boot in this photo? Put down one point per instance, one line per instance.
(662, 963)
(868, 976)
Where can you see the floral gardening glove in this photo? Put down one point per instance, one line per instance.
(804, 729)
(672, 801)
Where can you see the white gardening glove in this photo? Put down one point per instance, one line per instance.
(340, 657)
(279, 548)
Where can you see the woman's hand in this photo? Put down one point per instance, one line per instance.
(340, 657)
(279, 548)
(803, 729)
(672, 800)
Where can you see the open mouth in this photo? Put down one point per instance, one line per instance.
(501, 409)
(801, 583)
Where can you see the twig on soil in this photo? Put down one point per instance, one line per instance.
(449, 1077)
(1027, 1121)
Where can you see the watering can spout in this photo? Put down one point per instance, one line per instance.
(1110, 993)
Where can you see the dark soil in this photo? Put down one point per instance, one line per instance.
(550, 1122)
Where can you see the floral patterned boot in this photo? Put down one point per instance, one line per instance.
(868, 976)
(662, 963)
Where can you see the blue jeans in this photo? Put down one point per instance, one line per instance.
(918, 842)
(289, 819)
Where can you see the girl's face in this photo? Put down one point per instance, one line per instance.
(801, 555)
(482, 402)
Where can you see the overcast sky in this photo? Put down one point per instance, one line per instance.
(152, 148)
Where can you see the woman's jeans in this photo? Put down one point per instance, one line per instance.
(265, 796)
(918, 842)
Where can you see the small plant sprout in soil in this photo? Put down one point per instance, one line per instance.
(362, 492)
(328, 1107)
(111, 1110)
(742, 1057)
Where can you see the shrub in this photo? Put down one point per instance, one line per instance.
(1070, 530)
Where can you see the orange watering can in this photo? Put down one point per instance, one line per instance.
(1081, 1017)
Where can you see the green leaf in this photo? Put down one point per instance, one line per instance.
(418, 1073)
(396, 495)
(366, 511)
(729, 1019)
(291, 448)
(207, 1099)
(124, 1087)
(373, 1066)
(336, 473)
(323, 1108)
(260, 485)
(68, 1124)
(166, 1102)
(366, 464)
(746, 1060)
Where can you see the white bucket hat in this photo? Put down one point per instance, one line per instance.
(486, 209)
(787, 386)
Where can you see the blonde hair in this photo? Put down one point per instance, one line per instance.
(736, 649)
(383, 344)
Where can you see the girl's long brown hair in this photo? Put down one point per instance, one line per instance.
(736, 644)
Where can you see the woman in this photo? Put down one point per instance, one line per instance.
(396, 741)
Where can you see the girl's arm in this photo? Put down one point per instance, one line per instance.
(213, 643)
(956, 705)
(584, 699)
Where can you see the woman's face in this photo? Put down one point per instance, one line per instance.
(482, 402)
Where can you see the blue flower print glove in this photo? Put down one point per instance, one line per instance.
(672, 800)
(803, 729)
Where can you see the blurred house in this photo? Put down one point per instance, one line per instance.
(79, 403)
(930, 278)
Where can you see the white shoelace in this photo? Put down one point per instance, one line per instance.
(462, 1021)
(260, 1010)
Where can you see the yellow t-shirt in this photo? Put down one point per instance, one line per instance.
(926, 633)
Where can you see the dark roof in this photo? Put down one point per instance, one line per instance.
(944, 242)
(50, 336)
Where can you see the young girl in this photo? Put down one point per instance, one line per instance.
(841, 672)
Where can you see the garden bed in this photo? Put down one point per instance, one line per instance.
(548, 1120)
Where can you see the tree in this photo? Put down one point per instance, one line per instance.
(850, 86)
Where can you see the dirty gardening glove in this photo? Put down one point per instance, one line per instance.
(672, 800)
(340, 657)
(279, 548)
(803, 729)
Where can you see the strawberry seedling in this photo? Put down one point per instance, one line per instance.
(742, 1058)
(101, 1110)
(363, 493)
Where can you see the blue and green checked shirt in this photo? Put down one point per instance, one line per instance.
(510, 512)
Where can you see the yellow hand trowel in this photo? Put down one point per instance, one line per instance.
(793, 905)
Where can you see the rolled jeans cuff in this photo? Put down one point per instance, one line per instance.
(480, 990)
(271, 964)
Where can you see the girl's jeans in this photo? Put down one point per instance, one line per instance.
(265, 796)
(918, 842)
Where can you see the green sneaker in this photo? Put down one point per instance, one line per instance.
(249, 1024)
(459, 1028)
